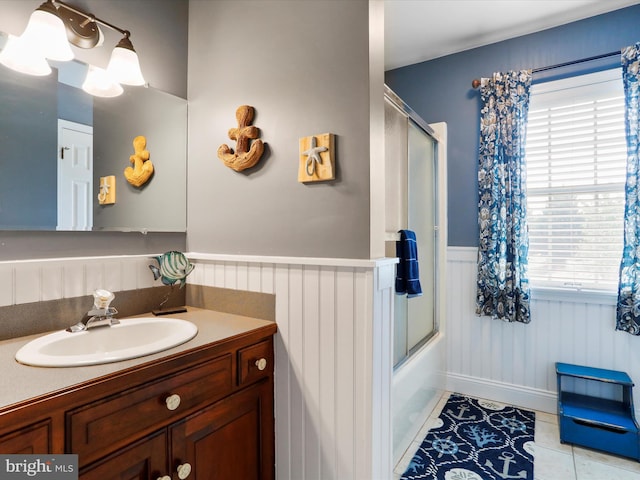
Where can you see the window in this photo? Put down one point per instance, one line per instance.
(576, 161)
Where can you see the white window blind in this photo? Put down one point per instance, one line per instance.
(576, 162)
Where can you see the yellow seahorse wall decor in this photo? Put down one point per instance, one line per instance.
(244, 157)
(142, 168)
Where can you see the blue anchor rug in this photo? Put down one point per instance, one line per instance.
(476, 440)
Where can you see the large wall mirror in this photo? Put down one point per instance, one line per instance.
(41, 116)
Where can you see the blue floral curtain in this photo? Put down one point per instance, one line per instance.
(502, 284)
(628, 308)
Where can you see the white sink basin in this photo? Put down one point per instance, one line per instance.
(135, 337)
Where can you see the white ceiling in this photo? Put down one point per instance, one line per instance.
(419, 30)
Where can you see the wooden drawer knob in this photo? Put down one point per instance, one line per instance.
(173, 401)
(261, 363)
(183, 470)
(164, 477)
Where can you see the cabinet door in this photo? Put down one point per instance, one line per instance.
(144, 460)
(28, 440)
(230, 440)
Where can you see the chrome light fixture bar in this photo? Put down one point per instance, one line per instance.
(52, 27)
(81, 28)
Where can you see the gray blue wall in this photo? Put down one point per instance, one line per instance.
(304, 66)
(28, 142)
(440, 91)
(28, 139)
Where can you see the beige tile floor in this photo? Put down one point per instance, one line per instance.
(553, 460)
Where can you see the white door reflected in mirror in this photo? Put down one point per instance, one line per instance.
(75, 176)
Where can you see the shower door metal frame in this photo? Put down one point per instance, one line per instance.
(414, 118)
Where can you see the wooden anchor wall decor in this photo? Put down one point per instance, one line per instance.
(244, 157)
(142, 168)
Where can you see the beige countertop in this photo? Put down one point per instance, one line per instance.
(22, 382)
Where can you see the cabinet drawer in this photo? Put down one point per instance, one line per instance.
(255, 362)
(100, 427)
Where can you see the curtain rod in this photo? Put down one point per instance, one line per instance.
(475, 83)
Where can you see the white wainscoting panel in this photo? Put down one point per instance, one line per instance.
(513, 362)
(333, 360)
(53, 279)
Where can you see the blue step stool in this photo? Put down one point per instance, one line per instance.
(594, 422)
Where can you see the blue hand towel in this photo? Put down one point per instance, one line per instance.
(407, 274)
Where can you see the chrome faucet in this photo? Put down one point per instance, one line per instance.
(96, 318)
(101, 314)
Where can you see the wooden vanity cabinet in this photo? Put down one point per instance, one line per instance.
(112, 422)
(28, 440)
(230, 439)
(217, 441)
(143, 460)
(207, 413)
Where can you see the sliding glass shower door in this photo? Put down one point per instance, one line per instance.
(412, 204)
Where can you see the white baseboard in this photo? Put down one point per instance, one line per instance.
(526, 397)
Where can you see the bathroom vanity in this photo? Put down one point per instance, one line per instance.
(203, 409)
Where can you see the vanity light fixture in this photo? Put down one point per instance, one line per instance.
(46, 34)
(124, 65)
(16, 56)
(99, 83)
(52, 27)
